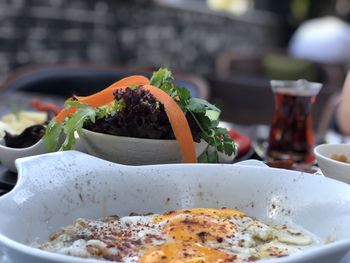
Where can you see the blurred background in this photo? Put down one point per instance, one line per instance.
(234, 46)
(224, 51)
(181, 34)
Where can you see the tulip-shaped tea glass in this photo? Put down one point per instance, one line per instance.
(291, 133)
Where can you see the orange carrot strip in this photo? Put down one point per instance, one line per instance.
(178, 123)
(96, 101)
(103, 97)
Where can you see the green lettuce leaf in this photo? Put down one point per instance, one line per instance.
(52, 135)
(75, 123)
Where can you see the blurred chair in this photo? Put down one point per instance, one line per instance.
(242, 86)
(66, 80)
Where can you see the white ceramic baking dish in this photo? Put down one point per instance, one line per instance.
(54, 189)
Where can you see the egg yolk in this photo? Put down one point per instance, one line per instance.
(223, 212)
(186, 252)
(189, 230)
(199, 228)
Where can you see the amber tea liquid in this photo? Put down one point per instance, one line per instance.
(291, 134)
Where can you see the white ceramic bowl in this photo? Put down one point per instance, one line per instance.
(8, 155)
(133, 151)
(118, 149)
(54, 189)
(329, 167)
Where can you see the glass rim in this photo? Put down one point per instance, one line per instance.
(296, 83)
(299, 87)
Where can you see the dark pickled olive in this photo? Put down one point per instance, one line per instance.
(27, 138)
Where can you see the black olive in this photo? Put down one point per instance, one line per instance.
(27, 138)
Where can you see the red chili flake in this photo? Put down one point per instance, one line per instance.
(169, 213)
(252, 259)
(116, 257)
(202, 236)
(220, 239)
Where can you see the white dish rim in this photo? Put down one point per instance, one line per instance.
(311, 253)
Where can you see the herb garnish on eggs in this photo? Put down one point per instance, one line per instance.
(136, 112)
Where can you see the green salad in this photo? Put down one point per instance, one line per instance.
(135, 112)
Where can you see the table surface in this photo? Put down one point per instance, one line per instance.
(17, 101)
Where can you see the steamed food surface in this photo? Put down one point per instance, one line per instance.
(193, 235)
(340, 158)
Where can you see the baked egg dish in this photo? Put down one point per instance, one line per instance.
(190, 235)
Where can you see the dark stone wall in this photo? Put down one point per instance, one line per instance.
(137, 33)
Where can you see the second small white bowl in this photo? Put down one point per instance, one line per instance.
(134, 151)
(8, 155)
(332, 168)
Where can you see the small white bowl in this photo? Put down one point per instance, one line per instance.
(331, 168)
(133, 151)
(8, 155)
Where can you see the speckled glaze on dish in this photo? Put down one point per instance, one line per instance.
(54, 189)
